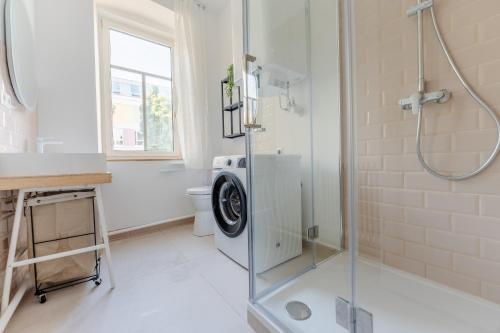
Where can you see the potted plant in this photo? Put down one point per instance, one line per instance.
(230, 81)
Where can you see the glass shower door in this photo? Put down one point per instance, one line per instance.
(292, 120)
(278, 128)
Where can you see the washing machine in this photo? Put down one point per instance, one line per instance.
(229, 206)
(277, 207)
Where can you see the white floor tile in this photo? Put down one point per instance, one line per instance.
(168, 281)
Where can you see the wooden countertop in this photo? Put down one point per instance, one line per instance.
(16, 183)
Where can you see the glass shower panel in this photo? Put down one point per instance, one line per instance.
(425, 262)
(280, 157)
(293, 146)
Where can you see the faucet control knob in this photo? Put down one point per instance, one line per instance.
(416, 100)
(413, 103)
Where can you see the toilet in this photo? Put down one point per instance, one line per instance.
(204, 222)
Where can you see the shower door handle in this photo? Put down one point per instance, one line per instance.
(249, 103)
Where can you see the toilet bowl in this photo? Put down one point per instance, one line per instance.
(204, 222)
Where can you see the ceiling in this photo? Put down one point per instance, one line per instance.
(212, 5)
(148, 10)
(159, 13)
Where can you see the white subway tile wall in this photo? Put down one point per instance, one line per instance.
(448, 232)
(17, 135)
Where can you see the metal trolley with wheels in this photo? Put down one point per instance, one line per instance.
(47, 198)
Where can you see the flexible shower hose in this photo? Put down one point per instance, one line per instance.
(478, 99)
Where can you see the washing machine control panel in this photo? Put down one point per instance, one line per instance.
(229, 162)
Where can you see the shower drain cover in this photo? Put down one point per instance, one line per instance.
(298, 310)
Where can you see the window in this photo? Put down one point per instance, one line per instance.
(138, 110)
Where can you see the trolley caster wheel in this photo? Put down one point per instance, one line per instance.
(42, 299)
(98, 282)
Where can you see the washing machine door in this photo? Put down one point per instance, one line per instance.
(229, 204)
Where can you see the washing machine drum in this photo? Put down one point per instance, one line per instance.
(229, 204)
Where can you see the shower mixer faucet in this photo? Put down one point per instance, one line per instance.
(416, 100)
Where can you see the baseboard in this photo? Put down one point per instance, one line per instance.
(149, 228)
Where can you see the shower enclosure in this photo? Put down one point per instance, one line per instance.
(374, 241)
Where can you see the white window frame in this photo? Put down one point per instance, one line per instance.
(106, 23)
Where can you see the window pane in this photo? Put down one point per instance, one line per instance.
(159, 116)
(139, 54)
(128, 133)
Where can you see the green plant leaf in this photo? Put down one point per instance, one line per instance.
(230, 81)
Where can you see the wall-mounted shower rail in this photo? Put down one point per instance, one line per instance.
(420, 50)
(419, 7)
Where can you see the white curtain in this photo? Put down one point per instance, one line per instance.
(190, 82)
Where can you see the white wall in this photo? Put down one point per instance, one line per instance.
(220, 57)
(17, 126)
(147, 192)
(141, 192)
(153, 191)
(67, 106)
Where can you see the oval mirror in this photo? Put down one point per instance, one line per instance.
(20, 42)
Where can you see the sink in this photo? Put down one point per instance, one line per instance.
(30, 164)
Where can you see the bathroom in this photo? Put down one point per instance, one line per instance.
(250, 166)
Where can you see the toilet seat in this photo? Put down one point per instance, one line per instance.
(206, 190)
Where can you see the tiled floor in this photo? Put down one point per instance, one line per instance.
(171, 281)
(267, 280)
(167, 281)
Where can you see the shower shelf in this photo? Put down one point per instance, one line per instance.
(231, 124)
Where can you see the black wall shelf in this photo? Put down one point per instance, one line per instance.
(231, 124)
